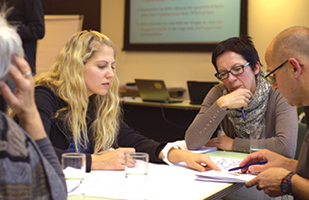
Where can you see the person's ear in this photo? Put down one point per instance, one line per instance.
(296, 67)
(257, 68)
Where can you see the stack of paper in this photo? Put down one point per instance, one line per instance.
(224, 176)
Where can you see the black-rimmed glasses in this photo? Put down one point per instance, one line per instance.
(271, 79)
(235, 71)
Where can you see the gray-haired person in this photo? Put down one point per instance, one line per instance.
(29, 166)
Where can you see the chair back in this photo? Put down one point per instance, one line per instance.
(302, 129)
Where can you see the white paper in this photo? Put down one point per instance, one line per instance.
(224, 176)
(164, 183)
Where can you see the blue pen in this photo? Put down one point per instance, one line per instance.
(243, 113)
(246, 166)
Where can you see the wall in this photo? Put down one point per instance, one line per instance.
(266, 18)
(49, 47)
(90, 11)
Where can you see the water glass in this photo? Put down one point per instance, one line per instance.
(74, 169)
(257, 138)
(136, 173)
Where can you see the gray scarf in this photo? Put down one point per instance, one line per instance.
(254, 112)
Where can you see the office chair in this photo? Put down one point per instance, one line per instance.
(302, 129)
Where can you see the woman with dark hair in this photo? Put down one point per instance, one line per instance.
(243, 87)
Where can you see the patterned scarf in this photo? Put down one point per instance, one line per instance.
(254, 112)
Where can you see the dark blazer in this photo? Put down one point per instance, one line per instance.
(28, 16)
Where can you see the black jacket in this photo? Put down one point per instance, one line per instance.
(28, 16)
(48, 103)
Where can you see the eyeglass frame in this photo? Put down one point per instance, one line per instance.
(230, 71)
(271, 79)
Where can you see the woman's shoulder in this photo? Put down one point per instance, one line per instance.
(220, 86)
(275, 96)
(43, 89)
(276, 100)
(45, 94)
(217, 90)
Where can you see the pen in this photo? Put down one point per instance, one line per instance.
(245, 166)
(243, 113)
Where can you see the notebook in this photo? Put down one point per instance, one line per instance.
(154, 91)
(198, 90)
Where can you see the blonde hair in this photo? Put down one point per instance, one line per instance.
(66, 79)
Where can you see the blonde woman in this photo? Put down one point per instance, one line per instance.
(79, 105)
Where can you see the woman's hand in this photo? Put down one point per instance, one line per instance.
(223, 142)
(200, 162)
(112, 160)
(22, 101)
(236, 99)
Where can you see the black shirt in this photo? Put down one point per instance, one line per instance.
(48, 103)
(28, 16)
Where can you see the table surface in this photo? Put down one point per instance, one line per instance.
(164, 182)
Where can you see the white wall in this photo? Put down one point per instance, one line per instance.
(266, 18)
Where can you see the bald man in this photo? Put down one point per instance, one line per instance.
(287, 59)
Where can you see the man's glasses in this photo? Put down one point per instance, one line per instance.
(270, 78)
(235, 71)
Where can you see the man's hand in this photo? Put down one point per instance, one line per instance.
(269, 181)
(273, 160)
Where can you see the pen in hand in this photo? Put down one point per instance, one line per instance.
(243, 113)
(246, 166)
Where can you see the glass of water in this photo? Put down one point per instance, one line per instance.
(136, 173)
(74, 169)
(257, 138)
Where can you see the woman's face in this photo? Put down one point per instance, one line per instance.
(246, 80)
(98, 71)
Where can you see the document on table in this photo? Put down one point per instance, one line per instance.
(224, 175)
(173, 182)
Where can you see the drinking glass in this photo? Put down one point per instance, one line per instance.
(257, 138)
(136, 172)
(74, 169)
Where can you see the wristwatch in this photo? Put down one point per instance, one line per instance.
(286, 186)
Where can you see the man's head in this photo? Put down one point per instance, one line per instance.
(287, 57)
